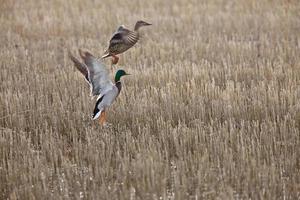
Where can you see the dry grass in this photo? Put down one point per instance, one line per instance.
(211, 112)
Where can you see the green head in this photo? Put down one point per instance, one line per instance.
(119, 74)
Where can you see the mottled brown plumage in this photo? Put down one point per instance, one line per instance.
(122, 40)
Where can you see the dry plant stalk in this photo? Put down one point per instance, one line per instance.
(215, 91)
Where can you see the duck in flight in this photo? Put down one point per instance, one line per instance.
(96, 74)
(122, 40)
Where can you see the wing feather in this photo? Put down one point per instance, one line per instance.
(98, 75)
(123, 37)
(79, 66)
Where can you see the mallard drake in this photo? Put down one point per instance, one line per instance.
(122, 40)
(96, 74)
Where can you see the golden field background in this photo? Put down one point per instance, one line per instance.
(211, 111)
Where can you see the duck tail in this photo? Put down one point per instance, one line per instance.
(97, 111)
(96, 115)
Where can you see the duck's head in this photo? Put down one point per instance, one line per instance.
(119, 74)
(141, 23)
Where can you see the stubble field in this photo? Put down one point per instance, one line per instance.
(211, 111)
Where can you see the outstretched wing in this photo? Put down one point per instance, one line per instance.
(123, 36)
(97, 74)
(80, 66)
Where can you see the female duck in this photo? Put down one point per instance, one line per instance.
(122, 40)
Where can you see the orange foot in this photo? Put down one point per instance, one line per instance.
(102, 119)
(115, 59)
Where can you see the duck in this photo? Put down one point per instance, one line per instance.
(122, 40)
(96, 74)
